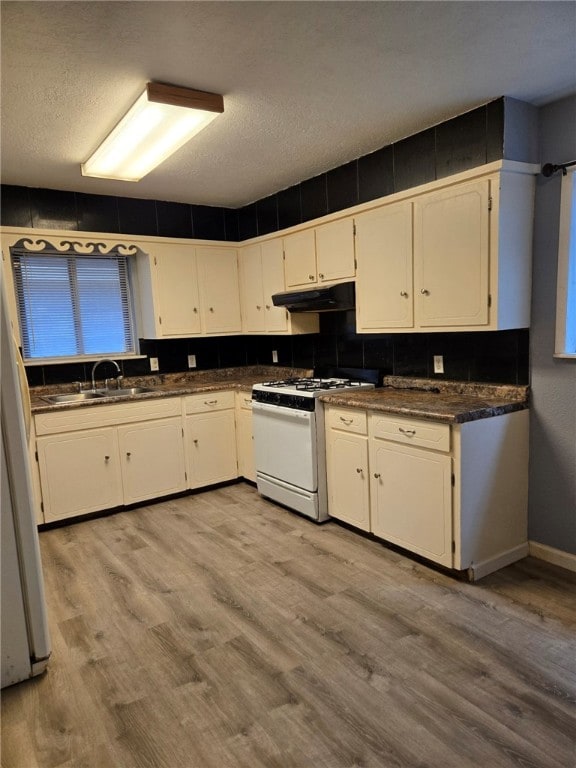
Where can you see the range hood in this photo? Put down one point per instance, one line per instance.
(322, 298)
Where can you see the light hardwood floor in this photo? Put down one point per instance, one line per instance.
(221, 631)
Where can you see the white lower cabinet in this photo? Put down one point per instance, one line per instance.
(455, 494)
(84, 467)
(411, 495)
(79, 472)
(210, 438)
(347, 467)
(245, 437)
(152, 459)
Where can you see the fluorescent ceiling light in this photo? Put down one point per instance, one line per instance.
(163, 119)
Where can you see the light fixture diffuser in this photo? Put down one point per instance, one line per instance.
(162, 120)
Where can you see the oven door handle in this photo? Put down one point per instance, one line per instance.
(280, 410)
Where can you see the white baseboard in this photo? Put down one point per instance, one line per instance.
(481, 569)
(551, 555)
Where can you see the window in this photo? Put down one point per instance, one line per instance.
(566, 291)
(73, 305)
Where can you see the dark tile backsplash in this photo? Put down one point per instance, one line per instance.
(53, 209)
(342, 187)
(174, 219)
(489, 356)
(98, 213)
(208, 222)
(289, 207)
(137, 217)
(415, 160)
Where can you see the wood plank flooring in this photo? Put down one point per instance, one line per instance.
(221, 631)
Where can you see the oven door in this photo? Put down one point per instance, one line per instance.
(285, 445)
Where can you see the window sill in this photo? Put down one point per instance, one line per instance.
(87, 359)
(565, 355)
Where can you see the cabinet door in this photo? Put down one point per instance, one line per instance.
(79, 472)
(175, 275)
(218, 274)
(152, 459)
(211, 448)
(251, 289)
(273, 282)
(335, 251)
(451, 241)
(411, 499)
(300, 259)
(348, 481)
(384, 269)
(245, 444)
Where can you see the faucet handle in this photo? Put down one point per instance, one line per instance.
(77, 385)
(119, 380)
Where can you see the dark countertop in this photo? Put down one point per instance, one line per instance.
(449, 401)
(169, 385)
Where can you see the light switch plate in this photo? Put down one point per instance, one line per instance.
(191, 361)
(153, 363)
(274, 355)
(438, 364)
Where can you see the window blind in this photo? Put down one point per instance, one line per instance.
(73, 305)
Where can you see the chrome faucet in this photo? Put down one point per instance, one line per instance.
(99, 362)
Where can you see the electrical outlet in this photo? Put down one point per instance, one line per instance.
(191, 361)
(274, 355)
(153, 363)
(438, 364)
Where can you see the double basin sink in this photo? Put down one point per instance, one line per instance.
(96, 394)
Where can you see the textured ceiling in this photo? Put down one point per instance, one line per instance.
(307, 85)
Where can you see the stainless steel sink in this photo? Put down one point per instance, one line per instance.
(79, 397)
(128, 391)
(73, 397)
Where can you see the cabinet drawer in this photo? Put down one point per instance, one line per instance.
(347, 421)
(244, 400)
(106, 415)
(426, 434)
(208, 401)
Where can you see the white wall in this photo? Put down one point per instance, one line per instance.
(552, 494)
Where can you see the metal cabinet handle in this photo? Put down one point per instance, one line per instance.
(321, 275)
(404, 294)
(210, 402)
(346, 421)
(267, 306)
(359, 470)
(195, 309)
(248, 401)
(195, 442)
(407, 431)
(424, 292)
(106, 458)
(211, 309)
(258, 307)
(128, 454)
(310, 277)
(376, 475)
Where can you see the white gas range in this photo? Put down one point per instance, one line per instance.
(289, 440)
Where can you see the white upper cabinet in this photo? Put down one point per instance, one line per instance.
(186, 290)
(451, 256)
(300, 259)
(384, 289)
(457, 258)
(324, 254)
(335, 251)
(277, 318)
(169, 291)
(219, 290)
(261, 268)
